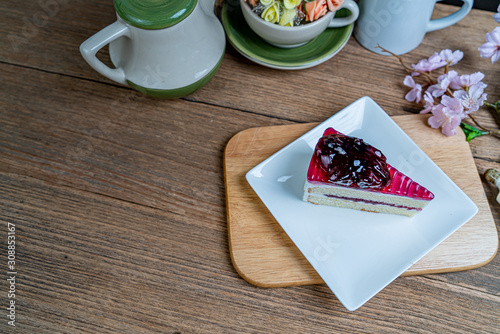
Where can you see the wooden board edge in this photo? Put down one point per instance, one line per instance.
(445, 270)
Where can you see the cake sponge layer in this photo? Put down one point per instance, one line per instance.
(355, 193)
(360, 205)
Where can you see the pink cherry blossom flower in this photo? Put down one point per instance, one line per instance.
(440, 119)
(451, 57)
(441, 87)
(452, 76)
(466, 80)
(453, 106)
(429, 103)
(497, 15)
(492, 46)
(415, 94)
(423, 65)
(473, 98)
(447, 115)
(436, 61)
(427, 65)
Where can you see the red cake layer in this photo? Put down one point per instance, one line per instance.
(400, 184)
(374, 202)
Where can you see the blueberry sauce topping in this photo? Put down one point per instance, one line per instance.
(350, 162)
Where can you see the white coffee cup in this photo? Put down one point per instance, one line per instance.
(290, 37)
(399, 26)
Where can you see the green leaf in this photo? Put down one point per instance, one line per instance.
(472, 132)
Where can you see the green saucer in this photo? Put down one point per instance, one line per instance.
(317, 51)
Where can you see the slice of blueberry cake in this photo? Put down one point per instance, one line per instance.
(349, 173)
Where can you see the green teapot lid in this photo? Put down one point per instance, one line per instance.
(154, 14)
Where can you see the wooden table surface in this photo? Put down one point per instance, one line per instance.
(118, 199)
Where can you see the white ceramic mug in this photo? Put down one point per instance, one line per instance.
(399, 26)
(290, 37)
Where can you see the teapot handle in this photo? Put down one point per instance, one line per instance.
(91, 46)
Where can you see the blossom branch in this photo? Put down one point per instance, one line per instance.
(408, 69)
(451, 97)
(478, 124)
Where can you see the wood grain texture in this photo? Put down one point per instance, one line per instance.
(119, 199)
(265, 256)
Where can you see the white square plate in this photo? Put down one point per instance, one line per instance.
(358, 253)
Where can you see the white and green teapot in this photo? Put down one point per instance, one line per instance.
(163, 48)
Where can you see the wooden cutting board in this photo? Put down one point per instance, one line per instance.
(265, 256)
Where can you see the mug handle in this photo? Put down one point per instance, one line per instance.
(337, 22)
(452, 18)
(91, 46)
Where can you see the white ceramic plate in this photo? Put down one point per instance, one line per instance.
(358, 253)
